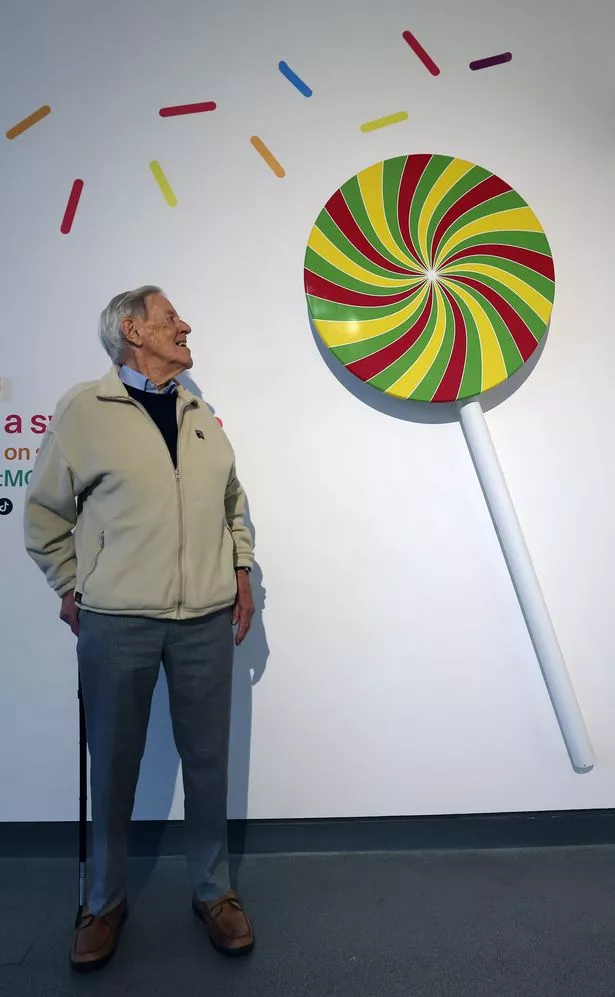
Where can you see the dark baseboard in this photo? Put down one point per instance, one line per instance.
(353, 834)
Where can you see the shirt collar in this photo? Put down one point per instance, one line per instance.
(136, 380)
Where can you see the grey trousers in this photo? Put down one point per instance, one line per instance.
(119, 662)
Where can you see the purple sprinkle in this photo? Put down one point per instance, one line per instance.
(493, 60)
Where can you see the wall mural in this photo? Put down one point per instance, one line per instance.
(204, 106)
(429, 278)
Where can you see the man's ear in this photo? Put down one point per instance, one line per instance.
(130, 331)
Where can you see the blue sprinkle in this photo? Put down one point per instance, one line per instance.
(294, 79)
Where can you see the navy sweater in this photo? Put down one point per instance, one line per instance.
(163, 410)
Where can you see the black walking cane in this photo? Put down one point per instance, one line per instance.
(83, 802)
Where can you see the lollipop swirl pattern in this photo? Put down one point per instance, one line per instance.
(429, 278)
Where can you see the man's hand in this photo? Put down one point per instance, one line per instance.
(244, 606)
(69, 612)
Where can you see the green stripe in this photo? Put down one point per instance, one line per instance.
(323, 268)
(429, 176)
(388, 377)
(329, 229)
(536, 241)
(428, 386)
(391, 179)
(471, 179)
(544, 285)
(529, 316)
(510, 351)
(503, 202)
(351, 352)
(471, 382)
(333, 311)
(352, 195)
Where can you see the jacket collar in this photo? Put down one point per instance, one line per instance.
(110, 387)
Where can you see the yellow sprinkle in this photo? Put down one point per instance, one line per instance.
(163, 183)
(390, 119)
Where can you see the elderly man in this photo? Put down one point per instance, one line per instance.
(135, 514)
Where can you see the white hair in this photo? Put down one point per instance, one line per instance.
(120, 307)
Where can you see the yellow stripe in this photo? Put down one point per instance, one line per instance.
(445, 182)
(514, 220)
(537, 302)
(370, 185)
(335, 333)
(493, 366)
(329, 252)
(409, 382)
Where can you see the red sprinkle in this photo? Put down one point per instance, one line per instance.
(418, 49)
(71, 207)
(171, 112)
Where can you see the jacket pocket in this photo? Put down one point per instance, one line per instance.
(88, 574)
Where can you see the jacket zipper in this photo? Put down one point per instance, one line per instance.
(180, 501)
(101, 544)
(180, 508)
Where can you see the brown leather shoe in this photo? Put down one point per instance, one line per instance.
(229, 928)
(96, 938)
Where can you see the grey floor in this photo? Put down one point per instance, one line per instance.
(529, 923)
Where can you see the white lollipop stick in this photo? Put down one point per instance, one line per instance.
(526, 585)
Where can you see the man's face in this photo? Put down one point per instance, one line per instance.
(160, 337)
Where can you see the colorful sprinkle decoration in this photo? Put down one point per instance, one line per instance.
(390, 119)
(32, 119)
(171, 112)
(296, 81)
(163, 183)
(429, 278)
(71, 206)
(419, 51)
(492, 60)
(268, 156)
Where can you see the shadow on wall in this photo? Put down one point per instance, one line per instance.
(250, 664)
(160, 765)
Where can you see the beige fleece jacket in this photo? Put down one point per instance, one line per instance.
(107, 514)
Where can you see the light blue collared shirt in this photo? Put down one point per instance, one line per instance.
(136, 380)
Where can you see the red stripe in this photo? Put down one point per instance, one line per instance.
(529, 258)
(448, 389)
(340, 213)
(484, 191)
(521, 333)
(368, 367)
(321, 288)
(413, 171)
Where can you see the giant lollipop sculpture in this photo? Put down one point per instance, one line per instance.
(431, 279)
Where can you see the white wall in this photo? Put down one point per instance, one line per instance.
(398, 676)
